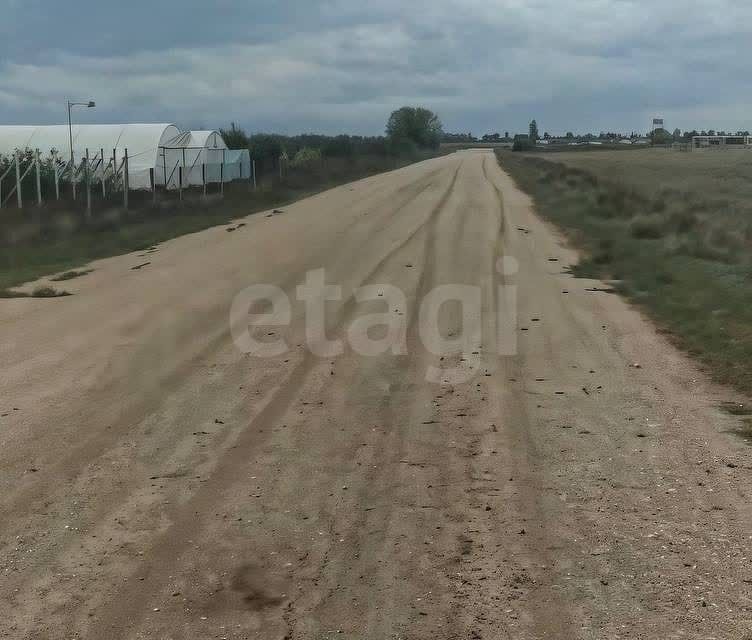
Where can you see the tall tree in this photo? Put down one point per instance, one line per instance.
(414, 126)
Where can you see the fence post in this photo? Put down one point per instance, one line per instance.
(73, 176)
(126, 180)
(222, 171)
(280, 168)
(153, 186)
(57, 183)
(87, 177)
(180, 183)
(253, 174)
(203, 176)
(19, 197)
(222, 178)
(39, 180)
(101, 162)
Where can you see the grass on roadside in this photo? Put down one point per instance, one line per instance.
(38, 292)
(681, 257)
(70, 275)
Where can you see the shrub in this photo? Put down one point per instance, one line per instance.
(521, 144)
(306, 157)
(645, 228)
(48, 292)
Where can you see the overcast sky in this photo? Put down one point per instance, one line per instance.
(342, 65)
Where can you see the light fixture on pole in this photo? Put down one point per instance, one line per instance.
(89, 105)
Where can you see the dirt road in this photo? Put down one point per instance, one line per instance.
(159, 483)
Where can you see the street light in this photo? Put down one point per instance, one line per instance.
(89, 105)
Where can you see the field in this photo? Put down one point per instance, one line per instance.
(672, 230)
(714, 175)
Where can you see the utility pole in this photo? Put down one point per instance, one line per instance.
(89, 105)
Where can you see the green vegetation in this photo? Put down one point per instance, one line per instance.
(39, 292)
(674, 235)
(266, 149)
(69, 275)
(411, 128)
(724, 177)
(523, 143)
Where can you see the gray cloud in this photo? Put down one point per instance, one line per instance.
(334, 65)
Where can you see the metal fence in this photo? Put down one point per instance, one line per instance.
(28, 179)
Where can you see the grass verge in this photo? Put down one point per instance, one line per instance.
(70, 275)
(683, 259)
(39, 292)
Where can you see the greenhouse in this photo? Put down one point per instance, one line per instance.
(158, 154)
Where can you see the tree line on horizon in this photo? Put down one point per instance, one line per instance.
(658, 136)
(408, 130)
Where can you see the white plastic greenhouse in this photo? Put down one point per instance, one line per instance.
(202, 155)
(159, 150)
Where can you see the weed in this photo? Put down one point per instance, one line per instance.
(48, 292)
(69, 275)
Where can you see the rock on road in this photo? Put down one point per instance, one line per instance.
(158, 483)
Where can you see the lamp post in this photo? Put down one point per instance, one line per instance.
(89, 105)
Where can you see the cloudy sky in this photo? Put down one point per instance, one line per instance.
(342, 65)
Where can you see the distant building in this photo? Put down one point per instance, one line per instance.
(705, 142)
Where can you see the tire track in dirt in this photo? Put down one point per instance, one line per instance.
(214, 326)
(385, 454)
(110, 502)
(524, 460)
(130, 606)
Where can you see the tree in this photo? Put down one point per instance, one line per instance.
(414, 127)
(458, 137)
(534, 131)
(234, 137)
(265, 147)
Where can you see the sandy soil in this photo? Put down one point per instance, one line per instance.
(158, 483)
